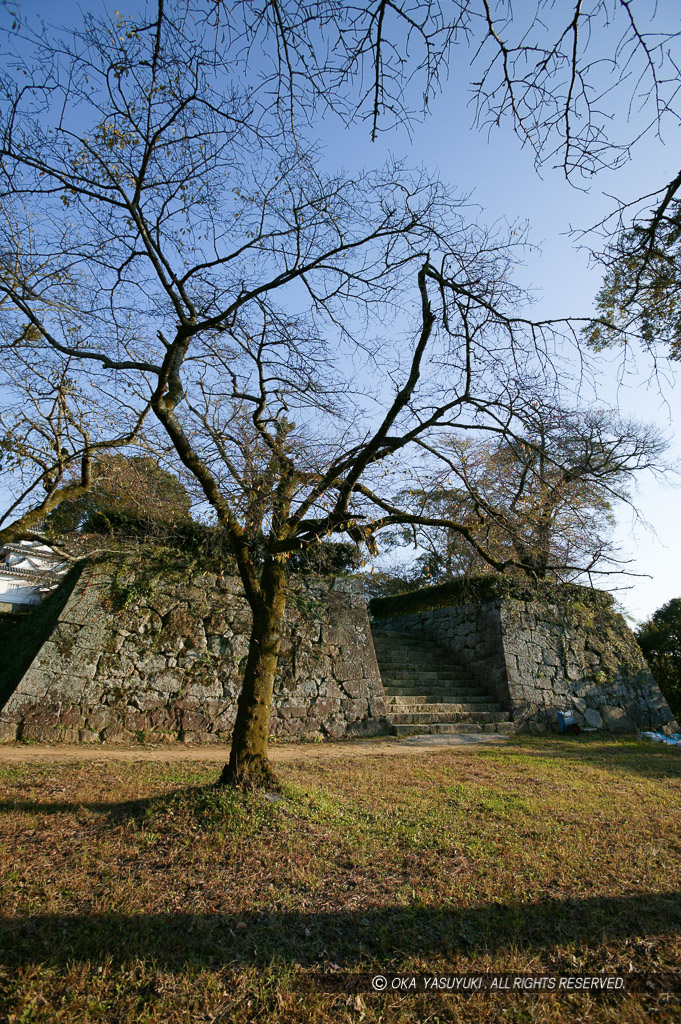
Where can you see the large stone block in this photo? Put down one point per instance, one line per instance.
(97, 635)
(149, 666)
(116, 734)
(8, 731)
(616, 719)
(593, 718)
(208, 686)
(99, 718)
(194, 721)
(88, 736)
(34, 685)
(115, 665)
(163, 720)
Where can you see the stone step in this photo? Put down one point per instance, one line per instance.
(397, 649)
(415, 655)
(461, 696)
(436, 656)
(392, 640)
(447, 717)
(414, 690)
(421, 660)
(403, 705)
(428, 692)
(424, 680)
(426, 669)
(403, 670)
(425, 663)
(473, 693)
(449, 728)
(393, 636)
(435, 698)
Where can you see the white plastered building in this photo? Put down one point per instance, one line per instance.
(28, 571)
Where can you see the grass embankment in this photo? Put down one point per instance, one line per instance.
(135, 893)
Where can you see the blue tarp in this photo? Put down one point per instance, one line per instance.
(659, 737)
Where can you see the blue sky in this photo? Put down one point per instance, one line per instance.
(501, 178)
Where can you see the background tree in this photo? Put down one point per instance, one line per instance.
(131, 496)
(52, 435)
(540, 493)
(660, 641)
(641, 292)
(53, 427)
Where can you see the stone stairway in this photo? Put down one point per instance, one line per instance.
(426, 692)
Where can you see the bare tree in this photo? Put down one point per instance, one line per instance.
(183, 254)
(279, 485)
(583, 84)
(553, 70)
(542, 492)
(304, 341)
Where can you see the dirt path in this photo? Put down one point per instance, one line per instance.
(20, 753)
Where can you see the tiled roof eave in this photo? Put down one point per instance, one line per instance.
(39, 575)
(37, 552)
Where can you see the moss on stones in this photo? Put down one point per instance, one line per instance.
(478, 590)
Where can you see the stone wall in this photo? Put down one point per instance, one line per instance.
(122, 655)
(580, 657)
(538, 657)
(157, 658)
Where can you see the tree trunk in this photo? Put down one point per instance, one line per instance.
(248, 764)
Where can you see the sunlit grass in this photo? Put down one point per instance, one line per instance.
(138, 892)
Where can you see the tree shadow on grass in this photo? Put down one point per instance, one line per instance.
(650, 760)
(176, 940)
(125, 810)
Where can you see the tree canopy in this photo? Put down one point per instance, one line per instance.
(641, 292)
(660, 641)
(538, 496)
(131, 495)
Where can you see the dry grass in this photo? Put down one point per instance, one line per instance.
(136, 893)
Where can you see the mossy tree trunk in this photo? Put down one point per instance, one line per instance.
(248, 763)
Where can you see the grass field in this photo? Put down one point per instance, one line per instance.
(133, 892)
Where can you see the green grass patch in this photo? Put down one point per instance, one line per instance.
(138, 892)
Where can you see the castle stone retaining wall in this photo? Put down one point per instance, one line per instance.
(161, 659)
(582, 658)
(158, 655)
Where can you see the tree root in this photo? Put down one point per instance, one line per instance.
(252, 772)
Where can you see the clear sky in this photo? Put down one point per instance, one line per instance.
(503, 181)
